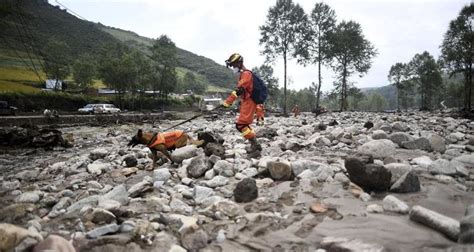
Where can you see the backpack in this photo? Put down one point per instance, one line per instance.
(259, 92)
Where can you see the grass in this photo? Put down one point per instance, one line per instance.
(10, 86)
(215, 89)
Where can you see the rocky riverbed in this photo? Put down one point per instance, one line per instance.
(337, 182)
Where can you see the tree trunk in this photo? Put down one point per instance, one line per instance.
(319, 77)
(343, 89)
(284, 83)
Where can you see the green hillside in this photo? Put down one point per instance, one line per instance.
(26, 26)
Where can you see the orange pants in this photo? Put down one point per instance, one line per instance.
(246, 115)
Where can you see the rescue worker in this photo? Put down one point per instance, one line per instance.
(260, 113)
(247, 105)
(296, 110)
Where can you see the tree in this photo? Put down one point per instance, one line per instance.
(83, 71)
(265, 72)
(396, 76)
(427, 75)
(457, 50)
(351, 52)
(355, 98)
(165, 63)
(322, 23)
(191, 83)
(57, 60)
(282, 33)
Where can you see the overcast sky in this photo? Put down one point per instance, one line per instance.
(217, 28)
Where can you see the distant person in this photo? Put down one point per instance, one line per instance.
(247, 105)
(296, 110)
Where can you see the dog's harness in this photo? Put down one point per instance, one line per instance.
(167, 138)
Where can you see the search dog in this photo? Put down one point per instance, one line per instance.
(163, 142)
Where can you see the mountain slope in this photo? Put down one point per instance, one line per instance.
(27, 25)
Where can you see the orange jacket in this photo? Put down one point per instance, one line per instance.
(167, 138)
(245, 82)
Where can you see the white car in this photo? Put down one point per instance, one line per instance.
(88, 109)
(105, 109)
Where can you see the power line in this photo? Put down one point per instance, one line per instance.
(79, 16)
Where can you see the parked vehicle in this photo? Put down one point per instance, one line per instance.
(88, 109)
(105, 109)
(6, 109)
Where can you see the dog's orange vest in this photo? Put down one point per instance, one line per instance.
(167, 138)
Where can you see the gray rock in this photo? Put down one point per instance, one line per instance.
(246, 190)
(323, 173)
(127, 226)
(378, 148)
(118, 193)
(442, 166)
(194, 240)
(130, 161)
(97, 168)
(423, 162)
(374, 208)
(186, 181)
(100, 216)
(178, 206)
(370, 177)
(400, 137)
(108, 204)
(392, 204)
(280, 170)
(267, 132)
(198, 167)
(300, 165)
(250, 172)
(7, 186)
(407, 183)
(417, 144)
(217, 181)
(468, 160)
(200, 193)
(88, 201)
(103, 230)
(183, 153)
(28, 197)
(140, 188)
(214, 149)
(162, 174)
(437, 143)
(379, 134)
(224, 168)
(98, 153)
(441, 223)
(209, 174)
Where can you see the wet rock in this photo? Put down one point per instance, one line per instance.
(197, 167)
(419, 143)
(200, 193)
(102, 230)
(441, 223)
(280, 170)
(140, 188)
(214, 149)
(466, 234)
(162, 174)
(183, 153)
(246, 190)
(98, 153)
(400, 137)
(194, 240)
(378, 148)
(130, 161)
(370, 177)
(392, 204)
(348, 245)
(217, 181)
(407, 183)
(224, 168)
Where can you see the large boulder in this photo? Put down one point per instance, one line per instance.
(216, 149)
(370, 177)
(397, 170)
(378, 148)
(437, 143)
(246, 190)
(197, 167)
(210, 137)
